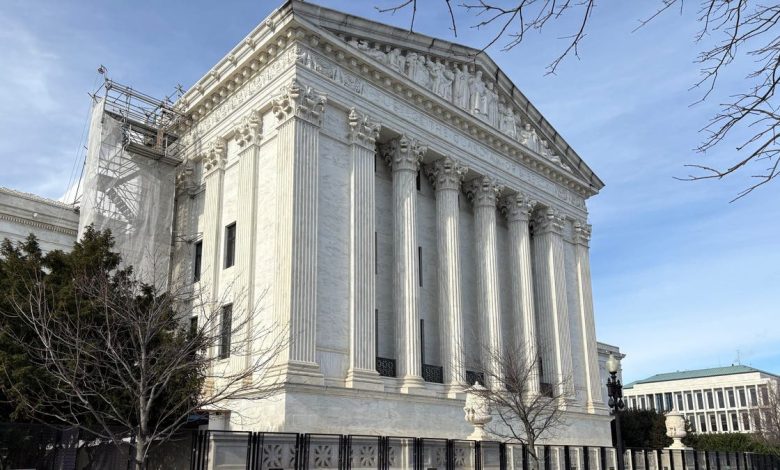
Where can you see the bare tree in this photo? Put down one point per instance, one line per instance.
(730, 30)
(767, 416)
(528, 410)
(125, 361)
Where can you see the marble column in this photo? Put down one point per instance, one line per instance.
(214, 161)
(517, 209)
(483, 193)
(247, 134)
(299, 111)
(404, 156)
(446, 176)
(585, 303)
(362, 279)
(553, 310)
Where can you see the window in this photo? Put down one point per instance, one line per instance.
(731, 398)
(642, 402)
(659, 402)
(668, 401)
(419, 264)
(721, 403)
(746, 421)
(417, 182)
(650, 402)
(734, 422)
(703, 423)
(742, 399)
(724, 422)
(230, 245)
(699, 400)
(710, 402)
(753, 397)
(196, 262)
(689, 399)
(713, 423)
(679, 402)
(225, 330)
(193, 325)
(764, 395)
(692, 422)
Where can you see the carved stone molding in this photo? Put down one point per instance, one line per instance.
(484, 191)
(446, 173)
(215, 157)
(582, 233)
(362, 130)
(517, 207)
(404, 154)
(549, 221)
(297, 100)
(249, 130)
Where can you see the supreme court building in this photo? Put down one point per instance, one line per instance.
(403, 207)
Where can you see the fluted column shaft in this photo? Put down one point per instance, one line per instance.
(517, 209)
(362, 281)
(585, 302)
(553, 314)
(299, 113)
(404, 158)
(446, 175)
(484, 193)
(248, 134)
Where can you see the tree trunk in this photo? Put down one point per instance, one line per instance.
(140, 452)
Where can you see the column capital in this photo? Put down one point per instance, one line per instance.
(483, 191)
(249, 129)
(362, 130)
(185, 177)
(215, 156)
(517, 207)
(404, 154)
(582, 232)
(297, 100)
(446, 174)
(549, 221)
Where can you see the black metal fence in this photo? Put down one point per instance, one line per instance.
(48, 448)
(223, 450)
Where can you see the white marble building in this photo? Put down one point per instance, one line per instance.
(53, 223)
(402, 206)
(715, 400)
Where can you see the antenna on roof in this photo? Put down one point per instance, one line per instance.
(739, 359)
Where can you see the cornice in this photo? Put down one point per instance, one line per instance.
(39, 225)
(36, 198)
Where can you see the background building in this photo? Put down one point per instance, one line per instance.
(53, 222)
(716, 400)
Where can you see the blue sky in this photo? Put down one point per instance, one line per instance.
(682, 278)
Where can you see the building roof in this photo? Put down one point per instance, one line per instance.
(698, 373)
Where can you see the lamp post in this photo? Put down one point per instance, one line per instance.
(615, 392)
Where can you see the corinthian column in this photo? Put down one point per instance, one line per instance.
(553, 314)
(248, 133)
(517, 209)
(585, 303)
(446, 176)
(404, 157)
(484, 193)
(362, 321)
(299, 114)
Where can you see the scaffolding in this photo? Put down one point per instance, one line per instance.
(129, 176)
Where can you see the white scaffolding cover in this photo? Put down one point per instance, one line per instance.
(130, 194)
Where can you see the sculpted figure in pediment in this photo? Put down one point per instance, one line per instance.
(396, 60)
(377, 54)
(417, 69)
(460, 86)
(477, 94)
(530, 139)
(441, 79)
(506, 120)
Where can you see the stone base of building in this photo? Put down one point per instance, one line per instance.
(303, 408)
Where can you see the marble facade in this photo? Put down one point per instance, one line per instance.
(401, 206)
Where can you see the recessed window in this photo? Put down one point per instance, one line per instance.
(713, 423)
(417, 182)
(225, 331)
(734, 422)
(689, 399)
(193, 325)
(742, 398)
(731, 398)
(197, 261)
(230, 245)
(419, 265)
(703, 423)
(746, 421)
(699, 400)
(710, 402)
(724, 423)
(721, 403)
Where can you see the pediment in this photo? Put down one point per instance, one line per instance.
(465, 77)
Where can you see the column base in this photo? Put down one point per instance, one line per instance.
(414, 385)
(596, 408)
(365, 380)
(456, 391)
(307, 373)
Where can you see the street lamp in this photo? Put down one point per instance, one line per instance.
(615, 392)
